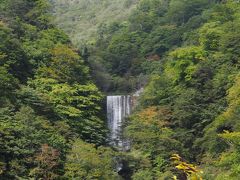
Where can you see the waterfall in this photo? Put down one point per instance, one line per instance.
(118, 108)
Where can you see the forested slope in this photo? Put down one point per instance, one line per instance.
(186, 54)
(80, 19)
(49, 104)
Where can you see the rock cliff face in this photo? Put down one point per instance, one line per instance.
(135, 97)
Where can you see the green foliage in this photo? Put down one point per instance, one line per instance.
(210, 35)
(81, 18)
(72, 66)
(22, 134)
(151, 136)
(7, 83)
(181, 11)
(227, 121)
(124, 48)
(12, 55)
(189, 52)
(84, 161)
(185, 53)
(79, 105)
(161, 40)
(47, 96)
(142, 175)
(157, 92)
(183, 62)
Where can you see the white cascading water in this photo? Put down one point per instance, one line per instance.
(118, 108)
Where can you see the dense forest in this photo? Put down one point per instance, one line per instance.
(81, 19)
(184, 53)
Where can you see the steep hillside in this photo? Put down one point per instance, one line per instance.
(189, 53)
(186, 54)
(80, 19)
(43, 114)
